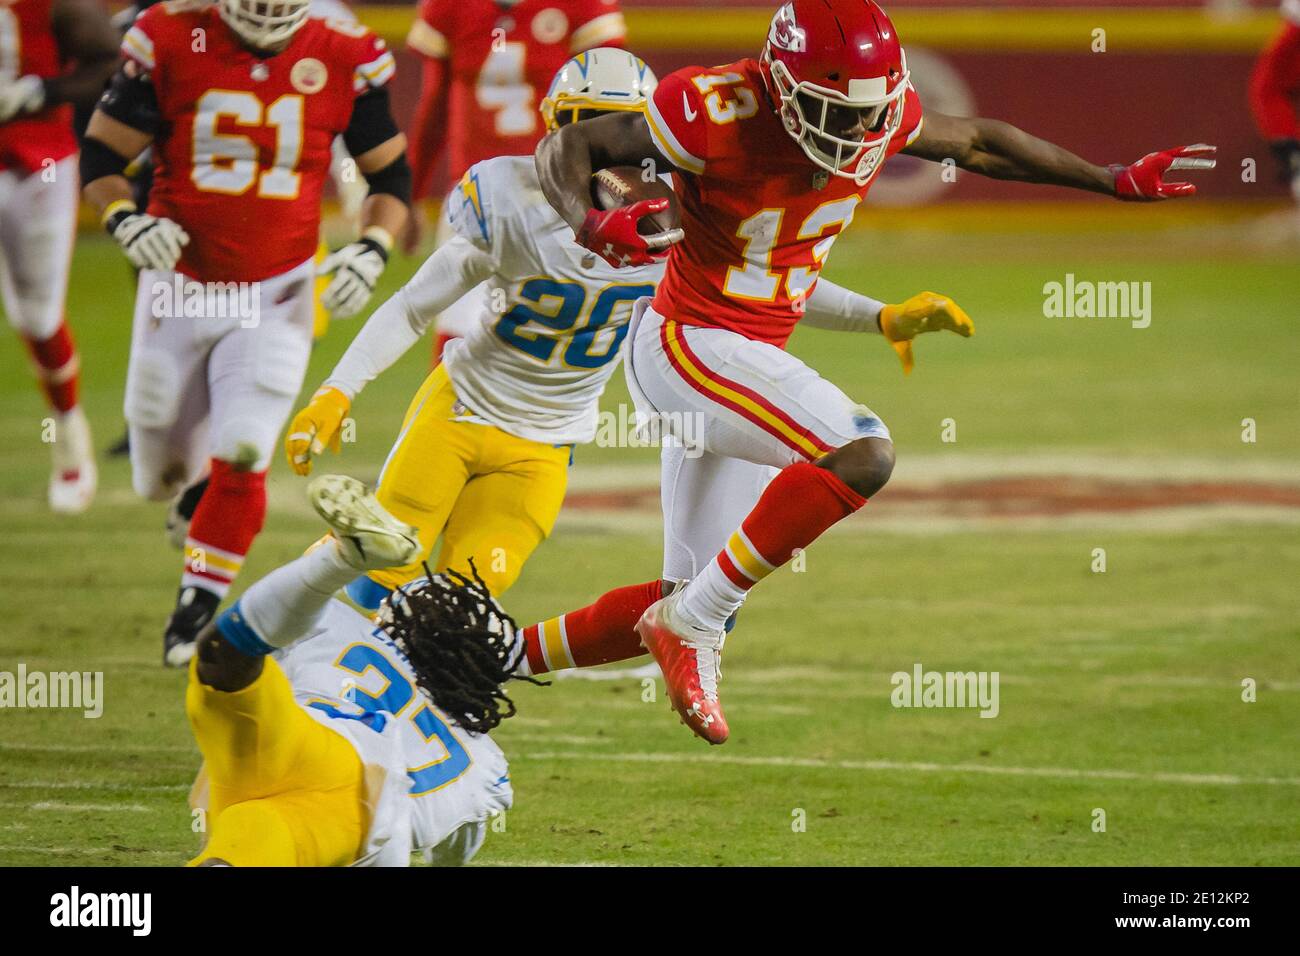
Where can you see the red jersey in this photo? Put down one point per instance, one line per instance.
(759, 216)
(244, 150)
(28, 47)
(501, 61)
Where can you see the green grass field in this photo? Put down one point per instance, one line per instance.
(1120, 692)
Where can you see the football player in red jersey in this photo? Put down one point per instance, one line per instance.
(1275, 95)
(53, 53)
(775, 155)
(241, 101)
(486, 64)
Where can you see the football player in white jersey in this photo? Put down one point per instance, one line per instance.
(328, 740)
(483, 455)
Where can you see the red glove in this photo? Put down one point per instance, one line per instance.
(1144, 181)
(612, 234)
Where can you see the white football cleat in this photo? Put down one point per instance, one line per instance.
(369, 537)
(74, 478)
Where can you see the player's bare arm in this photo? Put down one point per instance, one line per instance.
(121, 128)
(125, 143)
(1001, 151)
(566, 159)
(379, 150)
(85, 35)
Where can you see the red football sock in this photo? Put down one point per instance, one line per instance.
(597, 634)
(58, 367)
(793, 511)
(227, 519)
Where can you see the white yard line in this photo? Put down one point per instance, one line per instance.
(56, 807)
(83, 850)
(107, 787)
(107, 749)
(1062, 773)
(548, 863)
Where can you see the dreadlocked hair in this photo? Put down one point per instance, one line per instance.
(460, 643)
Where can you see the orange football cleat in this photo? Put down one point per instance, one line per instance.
(691, 659)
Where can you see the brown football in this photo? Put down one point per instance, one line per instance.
(625, 185)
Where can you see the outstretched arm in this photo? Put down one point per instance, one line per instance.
(453, 270)
(566, 160)
(1001, 151)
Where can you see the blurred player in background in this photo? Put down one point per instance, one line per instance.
(774, 156)
(483, 455)
(485, 66)
(242, 130)
(328, 740)
(53, 54)
(1275, 95)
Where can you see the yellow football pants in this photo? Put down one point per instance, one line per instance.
(283, 790)
(493, 497)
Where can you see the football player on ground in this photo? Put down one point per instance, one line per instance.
(38, 204)
(241, 101)
(1275, 95)
(774, 156)
(483, 456)
(485, 67)
(358, 743)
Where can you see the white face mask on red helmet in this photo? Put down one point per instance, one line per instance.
(265, 24)
(825, 58)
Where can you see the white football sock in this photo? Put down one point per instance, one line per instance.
(288, 603)
(710, 599)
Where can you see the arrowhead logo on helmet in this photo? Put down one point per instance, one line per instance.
(838, 78)
(786, 34)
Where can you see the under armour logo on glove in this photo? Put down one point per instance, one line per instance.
(356, 269)
(1144, 180)
(148, 241)
(612, 234)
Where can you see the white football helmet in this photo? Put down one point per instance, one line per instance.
(604, 80)
(265, 24)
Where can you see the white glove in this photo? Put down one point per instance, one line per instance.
(356, 268)
(149, 242)
(22, 97)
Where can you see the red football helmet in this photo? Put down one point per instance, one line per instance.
(838, 76)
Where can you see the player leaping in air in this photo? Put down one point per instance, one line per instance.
(482, 459)
(774, 157)
(241, 131)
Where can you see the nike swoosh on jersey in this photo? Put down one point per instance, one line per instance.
(690, 113)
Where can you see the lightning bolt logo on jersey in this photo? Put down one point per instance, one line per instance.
(538, 362)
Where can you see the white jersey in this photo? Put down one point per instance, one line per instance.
(440, 783)
(1291, 10)
(537, 361)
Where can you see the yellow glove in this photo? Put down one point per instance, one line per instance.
(924, 312)
(315, 427)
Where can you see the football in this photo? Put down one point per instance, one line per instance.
(625, 185)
